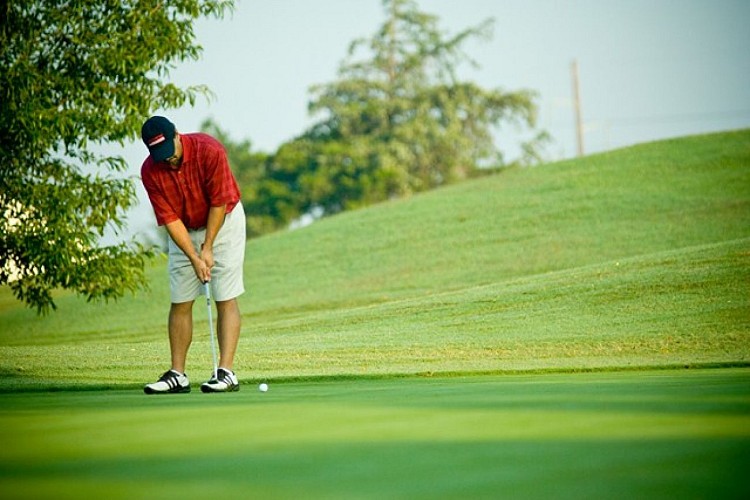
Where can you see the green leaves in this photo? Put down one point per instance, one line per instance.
(398, 120)
(73, 73)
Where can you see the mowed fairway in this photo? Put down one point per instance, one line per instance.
(666, 434)
(575, 330)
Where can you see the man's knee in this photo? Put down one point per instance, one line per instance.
(182, 307)
(227, 306)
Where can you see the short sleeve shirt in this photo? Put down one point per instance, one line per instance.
(202, 181)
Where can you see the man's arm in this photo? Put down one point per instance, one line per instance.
(215, 221)
(179, 234)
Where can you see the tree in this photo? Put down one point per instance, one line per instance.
(74, 77)
(399, 120)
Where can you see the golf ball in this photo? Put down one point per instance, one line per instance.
(263, 387)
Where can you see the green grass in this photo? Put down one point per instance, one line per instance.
(638, 257)
(659, 434)
(515, 335)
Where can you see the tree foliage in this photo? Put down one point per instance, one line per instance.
(76, 75)
(398, 119)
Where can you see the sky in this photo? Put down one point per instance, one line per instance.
(648, 69)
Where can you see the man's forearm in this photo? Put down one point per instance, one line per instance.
(179, 234)
(215, 221)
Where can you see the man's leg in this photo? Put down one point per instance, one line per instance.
(180, 333)
(229, 331)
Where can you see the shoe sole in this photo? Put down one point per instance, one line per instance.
(176, 390)
(232, 388)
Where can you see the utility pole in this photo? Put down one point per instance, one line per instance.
(577, 107)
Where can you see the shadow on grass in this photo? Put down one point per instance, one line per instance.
(660, 468)
(19, 381)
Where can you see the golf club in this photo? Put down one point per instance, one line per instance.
(211, 328)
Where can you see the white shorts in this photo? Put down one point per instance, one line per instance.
(229, 258)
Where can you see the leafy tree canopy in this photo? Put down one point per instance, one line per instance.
(398, 119)
(74, 75)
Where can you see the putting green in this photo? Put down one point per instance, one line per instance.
(682, 434)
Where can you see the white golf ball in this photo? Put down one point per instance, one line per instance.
(263, 387)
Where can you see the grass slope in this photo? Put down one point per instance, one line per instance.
(635, 257)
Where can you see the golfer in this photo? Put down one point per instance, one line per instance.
(196, 197)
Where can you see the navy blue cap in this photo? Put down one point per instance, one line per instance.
(158, 135)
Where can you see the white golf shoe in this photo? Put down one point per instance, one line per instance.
(224, 381)
(170, 383)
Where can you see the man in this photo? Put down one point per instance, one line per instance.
(196, 197)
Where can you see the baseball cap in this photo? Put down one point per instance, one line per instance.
(158, 135)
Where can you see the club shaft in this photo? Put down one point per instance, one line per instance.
(207, 285)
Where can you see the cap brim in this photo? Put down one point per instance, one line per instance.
(162, 151)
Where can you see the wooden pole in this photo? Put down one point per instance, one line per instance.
(577, 108)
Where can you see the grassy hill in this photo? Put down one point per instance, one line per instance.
(637, 257)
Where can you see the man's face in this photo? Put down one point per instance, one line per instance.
(176, 159)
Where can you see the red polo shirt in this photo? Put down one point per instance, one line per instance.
(203, 180)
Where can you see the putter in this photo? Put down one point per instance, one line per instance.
(211, 329)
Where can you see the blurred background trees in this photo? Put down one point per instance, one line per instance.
(74, 77)
(397, 120)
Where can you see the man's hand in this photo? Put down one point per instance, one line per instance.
(201, 268)
(215, 221)
(180, 236)
(207, 256)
